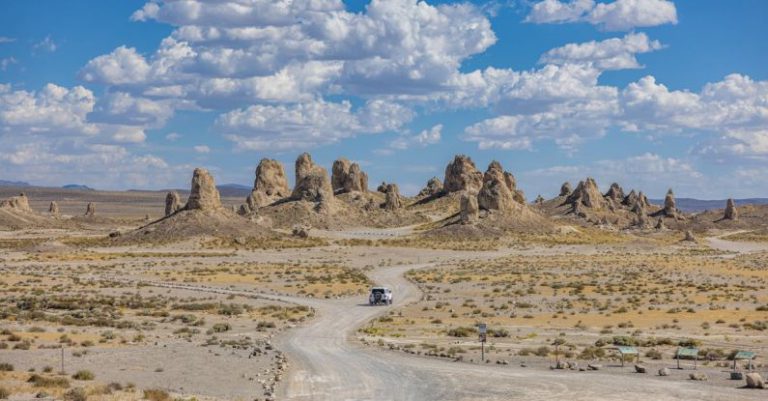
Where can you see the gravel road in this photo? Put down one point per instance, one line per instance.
(327, 364)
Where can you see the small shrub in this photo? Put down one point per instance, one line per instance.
(4, 393)
(462, 332)
(42, 381)
(653, 354)
(221, 327)
(156, 394)
(83, 375)
(6, 367)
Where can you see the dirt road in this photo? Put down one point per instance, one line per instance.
(327, 364)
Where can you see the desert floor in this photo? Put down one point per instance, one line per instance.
(211, 319)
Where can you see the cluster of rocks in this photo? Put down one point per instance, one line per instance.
(348, 177)
(730, 210)
(392, 199)
(497, 192)
(434, 187)
(587, 198)
(462, 175)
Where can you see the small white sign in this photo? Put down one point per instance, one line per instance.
(482, 327)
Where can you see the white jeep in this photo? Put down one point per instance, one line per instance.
(380, 295)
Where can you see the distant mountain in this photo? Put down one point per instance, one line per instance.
(78, 187)
(234, 190)
(697, 205)
(4, 183)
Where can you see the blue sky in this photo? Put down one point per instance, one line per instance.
(135, 94)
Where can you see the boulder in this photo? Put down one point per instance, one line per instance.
(434, 187)
(641, 369)
(689, 237)
(660, 224)
(53, 209)
(730, 210)
(300, 231)
(90, 209)
(203, 194)
(270, 184)
(754, 380)
(392, 199)
(312, 183)
(244, 210)
(593, 366)
(664, 372)
(699, 376)
(462, 175)
(469, 210)
(565, 189)
(172, 203)
(588, 194)
(18, 203)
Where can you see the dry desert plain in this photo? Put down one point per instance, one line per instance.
(211, 304)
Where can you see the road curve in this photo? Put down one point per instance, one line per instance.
(327, 365)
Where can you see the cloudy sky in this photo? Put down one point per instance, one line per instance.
(134, 94)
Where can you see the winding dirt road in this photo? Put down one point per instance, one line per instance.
(327, 364)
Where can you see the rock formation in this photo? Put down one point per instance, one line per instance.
(270, 184)
(462, 175)
(90, 209)
(495, 193)
(670, 206)
(434, 187)
(587, 194)
(689, 237)
(565, 189)
(615, 193)
(53, 209)
(382, 187)
(348, 177)
(730, 210)
(660, 224)
(339, 173)
(203, 194)
(172, 203)
(392, 199)
(18, 203)
(469, 210)
(312, 183)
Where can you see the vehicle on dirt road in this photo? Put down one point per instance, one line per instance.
(379, 296)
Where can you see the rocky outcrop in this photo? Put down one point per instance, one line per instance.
(392, 200)
(462, 175)
(312, 184)
(754, 380)
(587, 194)
(670, 206)
(730, 210)
(469, 211)
(660, 225)
(17, 203)
(348, 177)
(382, 187)
(434, 187)
(90, 209)
(270, 184)
(565, 189)
(339, 173)
(172, 203)
(615, 193)
(53, 209)
(689, 237)
(496, 193)
(203, 194)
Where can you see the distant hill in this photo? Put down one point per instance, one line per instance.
(234, 190)
(78, 187)
(4, 183)
(697, 205)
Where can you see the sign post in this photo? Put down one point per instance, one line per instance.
(483, 329)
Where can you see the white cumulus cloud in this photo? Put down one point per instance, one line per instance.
(618, 15)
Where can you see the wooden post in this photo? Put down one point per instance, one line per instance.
(62, 358)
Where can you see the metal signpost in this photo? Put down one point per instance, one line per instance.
(483, 329)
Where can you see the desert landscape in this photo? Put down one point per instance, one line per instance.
(383, 200)
(141, 295)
